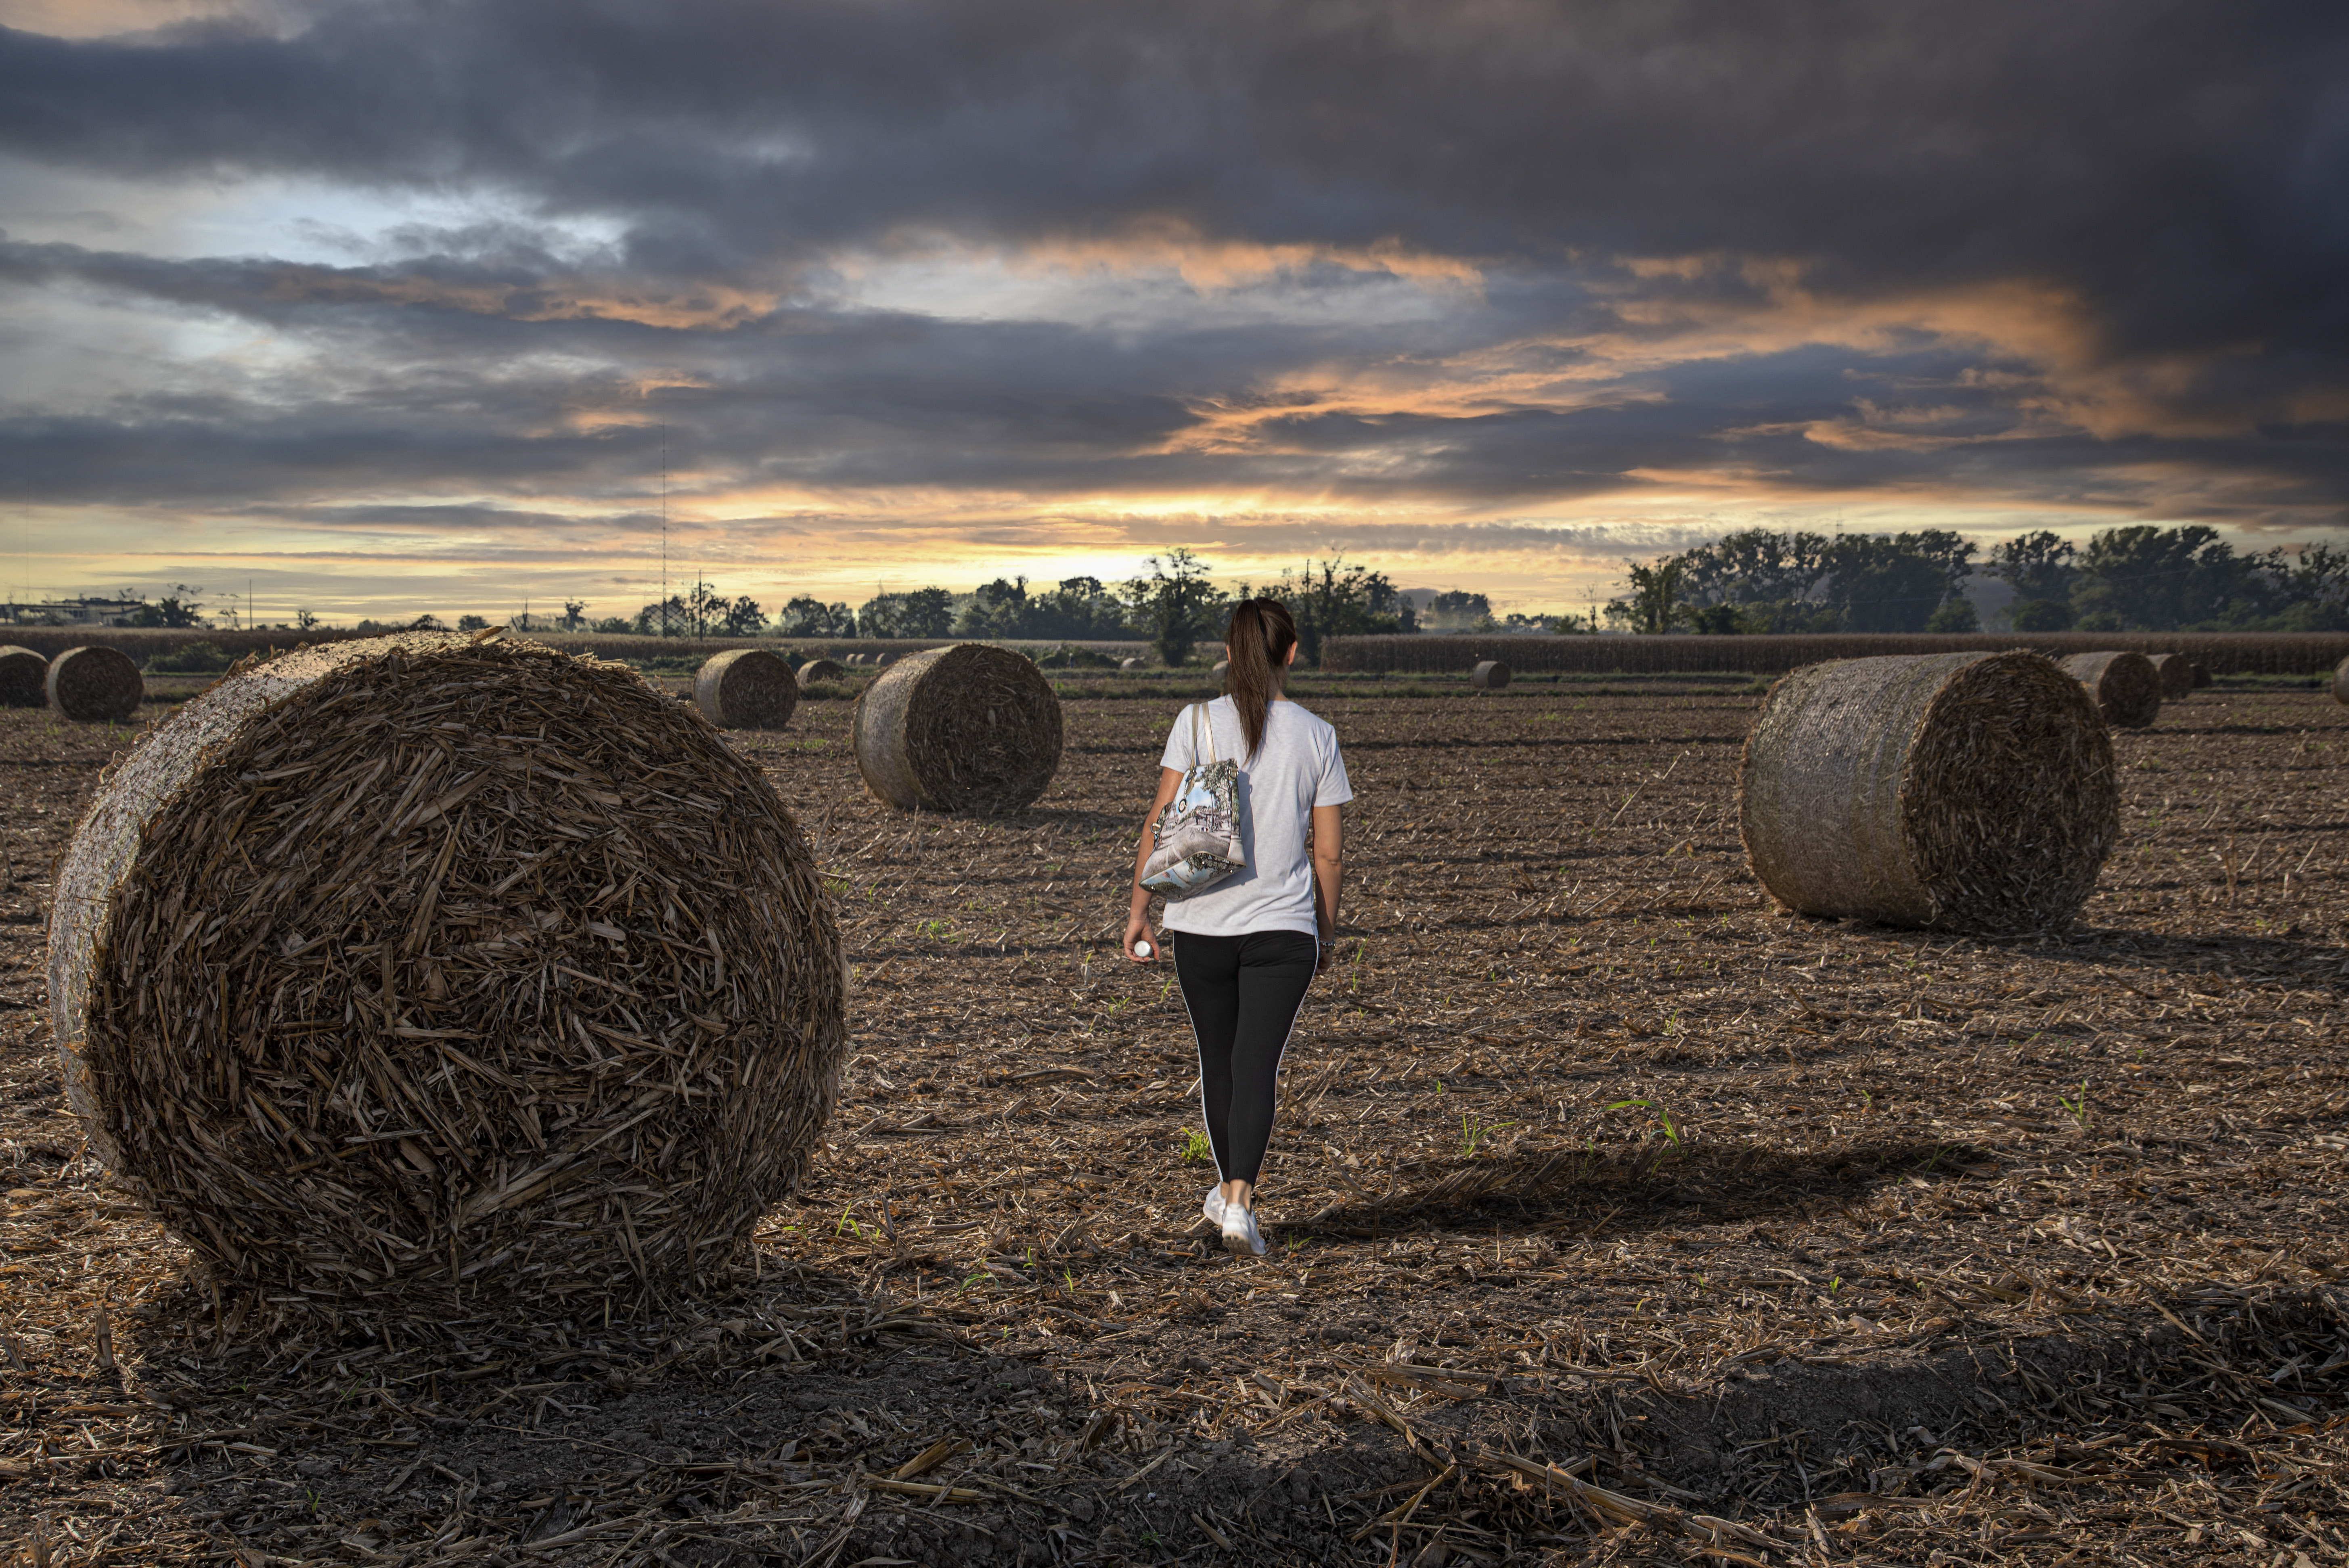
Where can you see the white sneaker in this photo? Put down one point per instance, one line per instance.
(1241, 1237)
(1213, 1207)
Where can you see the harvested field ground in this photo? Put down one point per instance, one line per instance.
(1616, 1217)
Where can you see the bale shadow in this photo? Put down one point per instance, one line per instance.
(1642, 1188)
(796, 1419)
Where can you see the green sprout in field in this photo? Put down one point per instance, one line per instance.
(1196, 1150)
(1474, 1132)
(1671, 1133)
(2077, 1108)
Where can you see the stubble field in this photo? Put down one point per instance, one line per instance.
(1616, 1216)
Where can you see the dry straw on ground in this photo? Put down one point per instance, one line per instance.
(1490, 675)
(746, 688)
(91, 686)
(816, 670)
(23, 677)
(1960, 791)
(2176, 672)
(428, 966)
(2126, 686)
(967, 728)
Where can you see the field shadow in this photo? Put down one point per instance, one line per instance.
(2311, 964)
(1645, 1187)
(794, 1419)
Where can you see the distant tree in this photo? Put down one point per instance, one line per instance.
(1457, 612)
(1338, 598)
(427, 622)
(2038, 567)
(807, 617)
(743, 618)
(1956, 616)
(472, 622)
(306, 619)
(1080, 607)
(1653, 606)
(574, 614)
(1883, 582)
(670, 618)
(615, 626)
(1175, 604)
(2146, 578)
(923, 612)
(2041, 615)
(176, 608)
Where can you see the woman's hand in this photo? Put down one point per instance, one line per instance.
(1329, 955)
(1137, 931)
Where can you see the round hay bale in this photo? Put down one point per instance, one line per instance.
(2176, 672)
(2126, 686)
(965, 728)
(1223, 669)
(883, 658)
(1957, 791)
(746, 688)
(1128, 664)
(816, 670)
(419, 967)
(1490, 675)
(854, 659)
(23, 677)
(2341, 683)
(90, 686)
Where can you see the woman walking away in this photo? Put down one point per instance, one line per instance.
(1248, 942)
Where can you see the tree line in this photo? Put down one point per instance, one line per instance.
(2136, 578)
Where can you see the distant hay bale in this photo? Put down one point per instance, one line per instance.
(416, 967)
(92, 684)
(2202, 677)
(2126, 686)
(1128, 664)
(883, 658)
(964, 728)
(854, 659)
(816, 670)
(1956, 791)
(746, 688)
(1223, 669)
(2341, 683)
(2176, 672)
(1490, 675)
(23, 677)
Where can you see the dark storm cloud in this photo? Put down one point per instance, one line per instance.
(2168, 182)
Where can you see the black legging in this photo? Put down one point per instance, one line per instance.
(1244, 993)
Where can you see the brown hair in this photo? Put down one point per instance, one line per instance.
(1256, 653)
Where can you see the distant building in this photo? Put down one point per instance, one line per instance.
(72, 611)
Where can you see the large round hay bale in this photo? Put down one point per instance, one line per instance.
(1489, 675)
(2126, 686)
(1958, 791)
(746, 688)
(23, 677)
(93, 685)
(419, 966)
(816, 670)
(2176, 672)
(965, 728)
(2341, 683)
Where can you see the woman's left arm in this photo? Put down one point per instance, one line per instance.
(1329, 868)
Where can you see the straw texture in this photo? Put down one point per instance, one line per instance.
(746, 688)
(2126, 686)
(2176, 672)
(23, 676)
(424, 966)
(1490, 675)
(91, 686)
(966, 729)
(1957, 791)
(816, 670)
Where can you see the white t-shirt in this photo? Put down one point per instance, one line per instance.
(1297, 769)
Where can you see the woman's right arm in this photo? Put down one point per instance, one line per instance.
(1137, 920)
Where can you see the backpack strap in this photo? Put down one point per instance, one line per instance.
(1199, 712)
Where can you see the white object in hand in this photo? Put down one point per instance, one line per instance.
(1142, 948)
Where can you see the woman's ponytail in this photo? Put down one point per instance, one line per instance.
(1255, 654)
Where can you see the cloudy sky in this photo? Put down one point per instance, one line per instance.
(396, 306)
